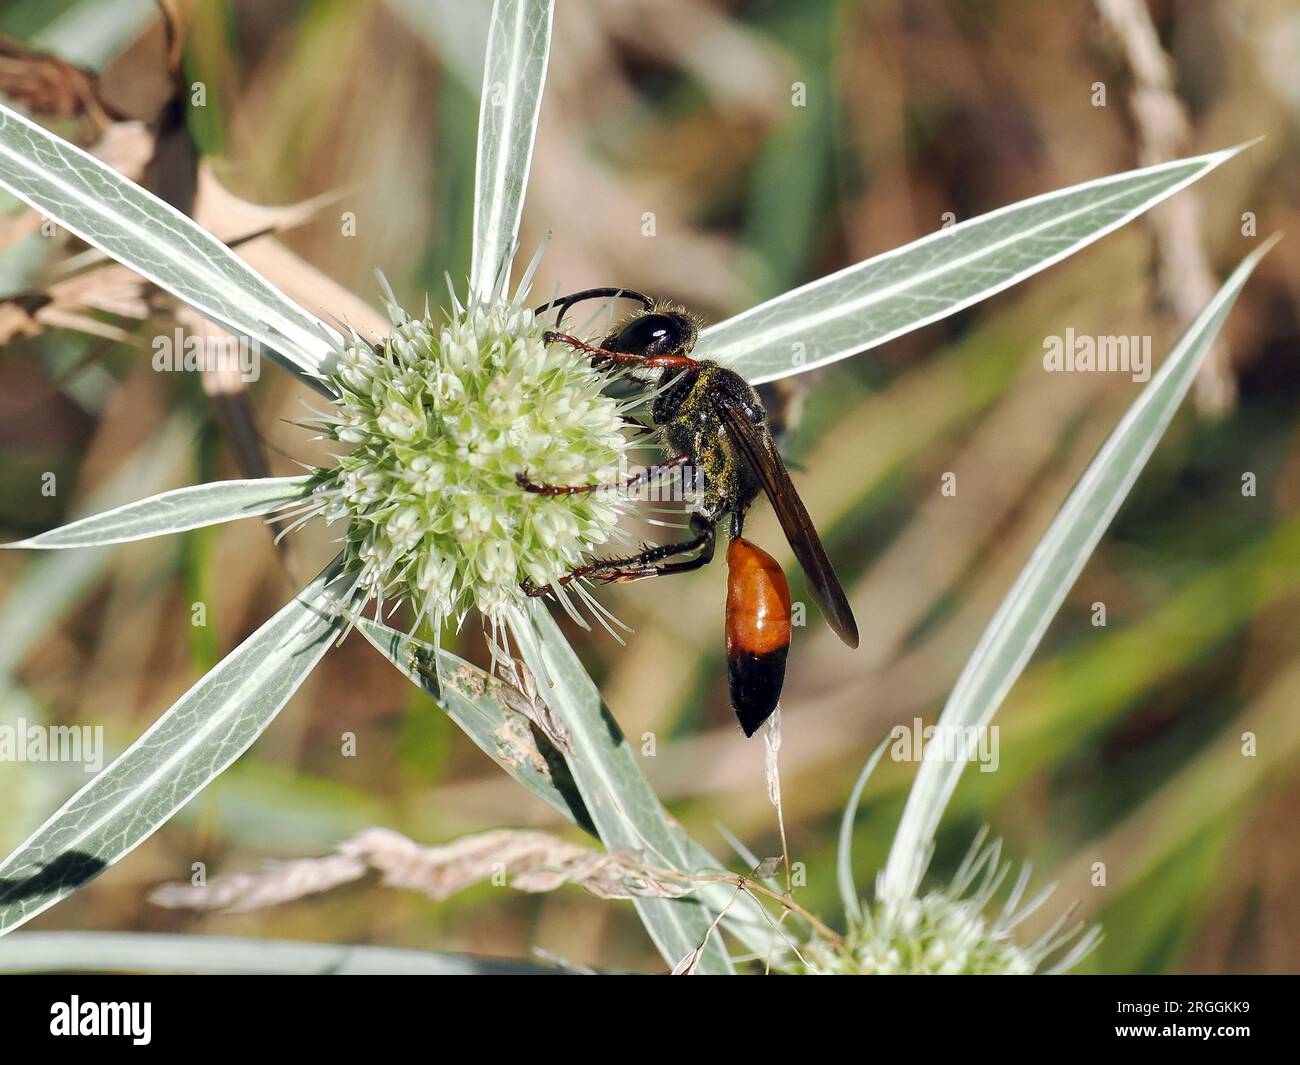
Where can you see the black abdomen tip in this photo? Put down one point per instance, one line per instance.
(755, 681)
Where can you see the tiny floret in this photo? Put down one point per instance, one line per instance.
(957, 931)
(929, 935)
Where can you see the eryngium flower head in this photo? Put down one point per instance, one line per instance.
(931, 935)
(440, 419)
(950, 932)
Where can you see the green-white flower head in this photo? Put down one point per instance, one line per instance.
(440, 419)
(951, 933)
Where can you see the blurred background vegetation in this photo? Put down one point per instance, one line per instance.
(1122, 744)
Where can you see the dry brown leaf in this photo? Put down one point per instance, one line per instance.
(47, 85)
(527, 861)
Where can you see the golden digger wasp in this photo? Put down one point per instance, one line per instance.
(711, 418)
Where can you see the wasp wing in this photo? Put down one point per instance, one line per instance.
(758, 451)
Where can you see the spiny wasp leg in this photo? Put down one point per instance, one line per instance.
(641, 477)
(619, 358)
(648, 563)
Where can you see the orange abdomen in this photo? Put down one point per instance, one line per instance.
(757, 632)
(758, 600)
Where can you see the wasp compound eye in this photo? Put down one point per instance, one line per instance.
(658, 333)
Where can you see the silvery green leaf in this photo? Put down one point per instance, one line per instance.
(481, 706)
(519, 45)
(455, 30)
(117, 952)
(48, 585)
(626, 812)
(37, 597)
(844, 852)
(874, 301)
(92, 32)
(505, 733)
(171, 512)
(192, 743)
(140, 231)
(1042, 585)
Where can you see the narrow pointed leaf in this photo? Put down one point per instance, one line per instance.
(844, 852)
(507, 736)
(172, 512)
(192, 743)
(519, 46)
(95, 202)
(50, 584)
(1043, 584)
(480, 705)
(625, 810)
(874, 301)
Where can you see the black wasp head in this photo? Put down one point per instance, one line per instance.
(660, 332)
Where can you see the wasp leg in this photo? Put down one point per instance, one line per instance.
(621, 358)
(646, 474)
(649, 563)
